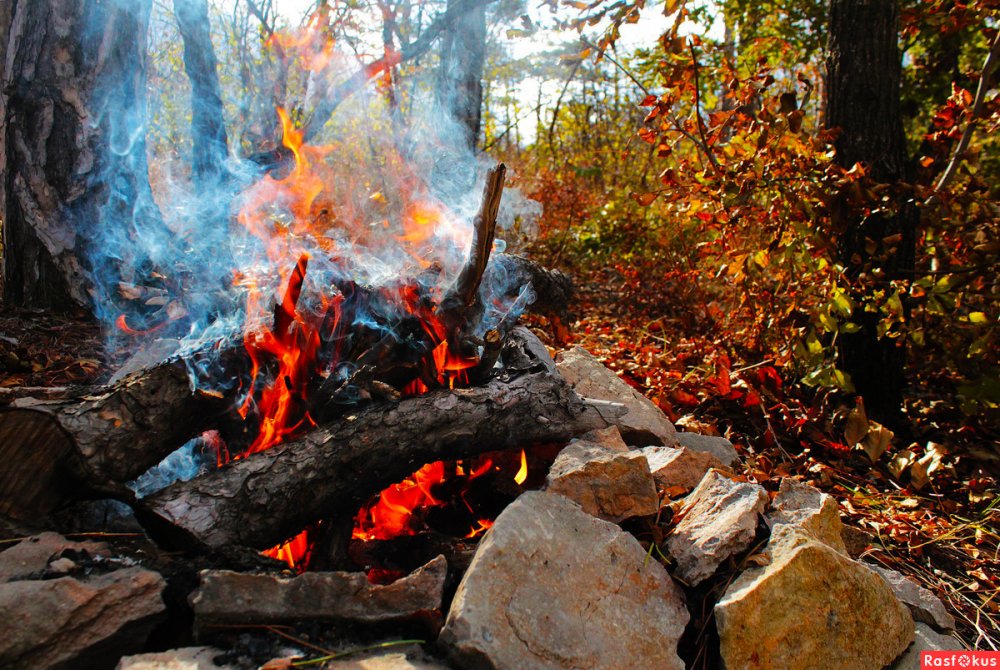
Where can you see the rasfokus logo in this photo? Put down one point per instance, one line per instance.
(959, 659)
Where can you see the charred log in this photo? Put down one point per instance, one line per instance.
(58, 449)
(329, 472)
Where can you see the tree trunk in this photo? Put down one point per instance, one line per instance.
(459, 86)
(863, 101)
(72, 153)
(208, 127)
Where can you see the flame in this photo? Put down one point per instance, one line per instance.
(522, 474)
(390, 516)
(295, 551)
(484, 525)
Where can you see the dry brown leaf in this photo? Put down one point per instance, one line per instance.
(877, 440)
(857, 426)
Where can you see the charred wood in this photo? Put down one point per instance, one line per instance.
(258, 500)
(59, 449)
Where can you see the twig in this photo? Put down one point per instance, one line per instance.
(697, 114)
(977, 109)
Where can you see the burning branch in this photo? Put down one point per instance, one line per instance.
(256, 501)
(462, 297)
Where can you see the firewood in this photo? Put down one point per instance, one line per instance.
(260, 500)
(461, 297)
(53, 450)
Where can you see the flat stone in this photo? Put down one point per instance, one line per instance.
(720, 521)
(32, 555)
(811, 510)
(811, 607)
(186, 658)
(643, 424)
(552, 587)
(612, 485)
(926, 639)
(719, 447)
(679, 468)
(412, 660)
(924, 605)
(226, 597)
(73, 623)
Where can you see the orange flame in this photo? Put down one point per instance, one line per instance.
(295, 551)
(522, 474)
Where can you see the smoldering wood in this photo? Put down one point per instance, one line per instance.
(461, 298)
(58, 449)
(262, 499)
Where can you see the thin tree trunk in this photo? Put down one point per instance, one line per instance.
(459, 86)
(208, 127)
(863, 101)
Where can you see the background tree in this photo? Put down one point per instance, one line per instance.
(877, 239)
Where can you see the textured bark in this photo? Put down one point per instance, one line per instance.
(258, 501)
(56, 449)
(459, 86)
(208, 127)
(72, 99)
(863, 101)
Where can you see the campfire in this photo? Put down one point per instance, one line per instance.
(373, 402)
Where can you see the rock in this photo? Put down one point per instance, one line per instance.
(187, 658)
(679, 468)
(924, 605)
(811, 510)
(855, 540)
(411, 660)
(552, 587)
(75, 623)
(926, 639)
(32, 555)
(611, 485)
(226, 598)
(643, 424)
(720, 520)
(610, 438)
(719, 447)
(810, 608)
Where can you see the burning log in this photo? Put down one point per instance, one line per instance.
(256, 501)
(56, 449)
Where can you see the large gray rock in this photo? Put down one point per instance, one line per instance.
(610, 484)
(720, 521)
(675, 469)
(186, 658)
(924, 605)
(643, 424)
(926, 639)
(719, 447)
(811, 607)
(809, 509)
(552, 587)
(69, 623)
(226, 598)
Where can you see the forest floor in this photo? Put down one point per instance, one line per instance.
(938, 523)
